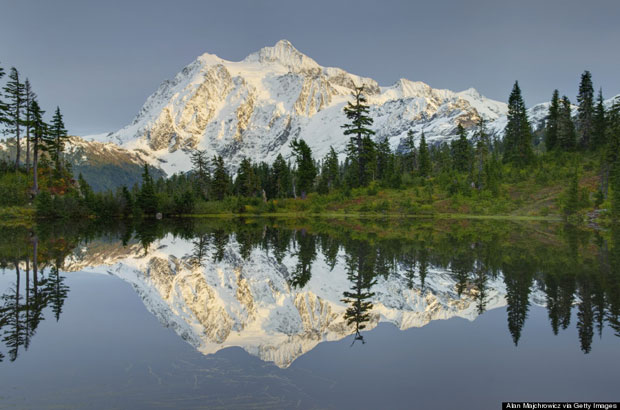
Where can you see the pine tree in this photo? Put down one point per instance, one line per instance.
(599, 122)
(306, 170)
(360, 149)
(461, 151)
(424, 158)
(247, 183)
(282, 177)
(201, 174)
(3, 106)
(567, 138)
(147, 199)
(58, 138)
(384, 163)
(39, 132)
(410, 153)
(332, 169)
(483, 145)
(551, 125)
(29, 95)
(14, 92)
(220, 185)
(518, 132)
(585, 112)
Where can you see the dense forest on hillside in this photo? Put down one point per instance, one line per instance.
(570, 168)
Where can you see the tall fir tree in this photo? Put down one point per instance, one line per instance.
(247, 183)
(410, 154)
(3, 106)
(200, 173)
(384, 160)
(482, 148)
(599, 122)
(461, 150)
(567, 138)
(306, 170)
(332, 170)
(220, 184)
(360, 149)
(424, 167)
(585, 112)
(518, 132)
(29, 95)
(282, 177)
(147, 199)
(14, 92)
(552, 122)
(58, 138)
(39, 133)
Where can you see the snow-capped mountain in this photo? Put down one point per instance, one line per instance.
(251, 304)
(254, 107)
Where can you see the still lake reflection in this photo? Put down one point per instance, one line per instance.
(214, 313)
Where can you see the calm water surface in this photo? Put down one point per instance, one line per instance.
(305, 314)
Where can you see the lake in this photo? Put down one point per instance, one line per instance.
(310, 314)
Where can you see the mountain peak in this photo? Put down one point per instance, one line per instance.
(285, 53)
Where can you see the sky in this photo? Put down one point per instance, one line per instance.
(100, 60)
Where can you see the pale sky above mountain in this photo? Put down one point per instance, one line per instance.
(99, 61)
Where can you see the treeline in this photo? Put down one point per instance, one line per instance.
(475, 164)
(37, 146)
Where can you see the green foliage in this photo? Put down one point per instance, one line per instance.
(306, 170)
(518, 132)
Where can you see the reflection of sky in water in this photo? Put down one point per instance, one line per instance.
(108, 351)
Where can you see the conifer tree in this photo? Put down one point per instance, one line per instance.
(3, 106)
(39, 132)
(58, 137)
(384, 163)
(410, 153)
(282, 177)
(483, 145)
(460, 150)
(14, 92)
(306, 170)
(551, 125)
(201, 174)
(518, 132)
(599, 123)
(147, 199)
(585, 112)
(331, 169)
(360, 149)
(247, 183)
(29, 95)
(567, 138)
(424, 167)
(220, 185)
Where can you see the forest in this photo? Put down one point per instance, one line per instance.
(569, 168)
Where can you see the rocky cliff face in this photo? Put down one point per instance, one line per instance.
(251, 303)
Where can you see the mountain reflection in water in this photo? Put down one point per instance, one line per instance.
(278, 288)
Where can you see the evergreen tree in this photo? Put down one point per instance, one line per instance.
(246, 183)
(147, 199)
(585, 112)
(58, 137)
(384, 162)
(39, 132)
(572, 196)
(282, 177)
(29, 95)
(200, 170)
(306, 170)
(14, 92)
(599, 123)
(128, 202)
(3, 106)
(483, 145)
(332, 169)
(220, 185)
(360, 149)
(551, 125)
(518, 132)
(410, 160)
(567, 138)
(425, 160)
(615, 198)
(460, 151)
